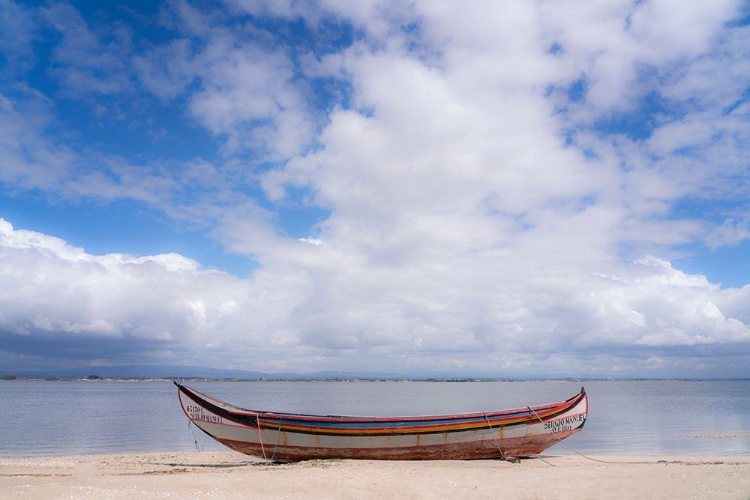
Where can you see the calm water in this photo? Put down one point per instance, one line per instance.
(625, 418)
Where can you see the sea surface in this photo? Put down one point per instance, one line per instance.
(665, 417)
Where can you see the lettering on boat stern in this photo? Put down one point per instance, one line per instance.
(565, 423)
(197, 413)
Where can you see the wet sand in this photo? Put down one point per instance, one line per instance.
(229, 475)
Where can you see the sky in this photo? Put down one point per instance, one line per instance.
(531, 188)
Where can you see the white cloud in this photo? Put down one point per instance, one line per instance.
(15, 38)
(166, 70)
(318, 303)
(53, 290)
(729, 233)
(247, 95)
(88, 62)
(463, 231)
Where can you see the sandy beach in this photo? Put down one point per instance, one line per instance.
(229, 475)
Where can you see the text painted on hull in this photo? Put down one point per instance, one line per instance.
(565, 424)
(197, 413)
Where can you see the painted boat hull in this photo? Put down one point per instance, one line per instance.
(287, 437)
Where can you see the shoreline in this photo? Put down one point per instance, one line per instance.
(352, 378)
(228, 475)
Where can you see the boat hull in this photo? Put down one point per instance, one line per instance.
(288, 437)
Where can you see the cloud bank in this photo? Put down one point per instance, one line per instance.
(495, 189)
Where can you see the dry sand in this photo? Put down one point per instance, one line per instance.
(229, 475)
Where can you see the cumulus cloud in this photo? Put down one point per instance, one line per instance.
(317, 306)
(167, 302)
(499, 187)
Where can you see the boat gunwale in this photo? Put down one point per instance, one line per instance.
(305, 423)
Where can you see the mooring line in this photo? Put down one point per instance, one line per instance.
(192, 431)
(492, 432)
(573, 449)
(260, 437)
(278, 438)
(563, 442)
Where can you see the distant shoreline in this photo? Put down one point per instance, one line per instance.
(97, 378)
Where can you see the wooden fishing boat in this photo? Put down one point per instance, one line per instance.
(290, 437)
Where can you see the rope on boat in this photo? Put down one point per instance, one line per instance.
(192, 431)
(581, 454)
(566, 444)
(260, 437)
(492, 431)
(278, 438)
